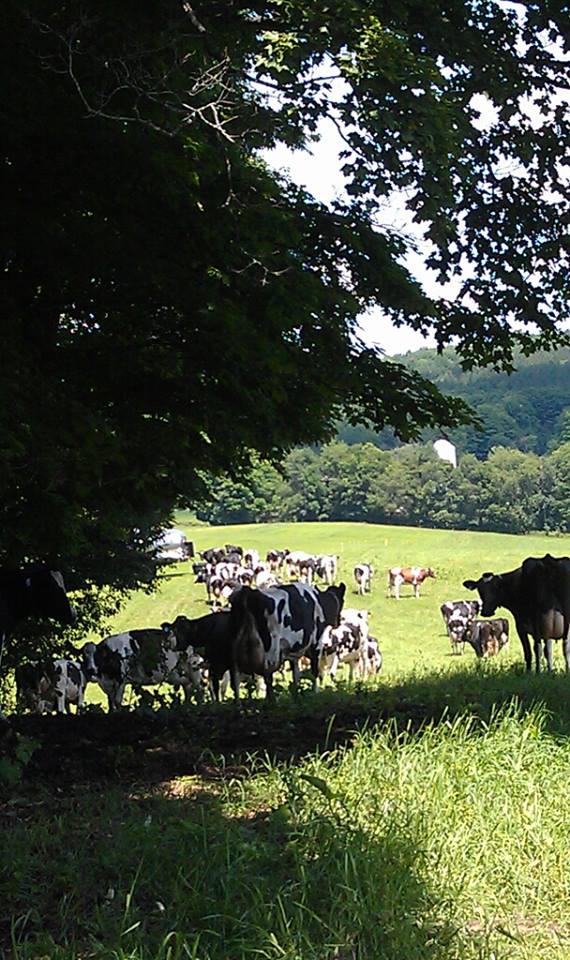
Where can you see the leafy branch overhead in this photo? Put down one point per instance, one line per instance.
(173, 304)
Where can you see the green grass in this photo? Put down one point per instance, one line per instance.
(411, 632)
(451, 844)
(440, 831)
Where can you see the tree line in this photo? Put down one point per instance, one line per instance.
(509, 492)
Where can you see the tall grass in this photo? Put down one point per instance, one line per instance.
(449, 843)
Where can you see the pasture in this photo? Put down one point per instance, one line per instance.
(423, 814)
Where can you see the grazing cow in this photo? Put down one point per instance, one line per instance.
(141, 658)
(43, 686)
(457, 615)
(412, 575)
(281, 623)
(538, 595)
(37, 592)
(326, 566)
(488, 637)
(363, 574)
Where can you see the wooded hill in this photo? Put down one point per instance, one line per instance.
(528, 409)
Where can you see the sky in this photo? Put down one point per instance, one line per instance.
(318, 171)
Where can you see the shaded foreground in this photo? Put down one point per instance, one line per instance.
(311, 830)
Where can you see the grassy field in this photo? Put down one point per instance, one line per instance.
(423, 815)
(411, 632)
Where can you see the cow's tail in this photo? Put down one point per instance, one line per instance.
(248, 653)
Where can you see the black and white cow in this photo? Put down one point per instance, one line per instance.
(363, 573)
(276, 559)
(340, 645)
(326, 567)
(282, 623)
(374, 654)
(37, 592)
(488, 637)
(142, 658)
(457, 615)
(41, 686)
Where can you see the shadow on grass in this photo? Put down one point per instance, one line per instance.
(122, 875)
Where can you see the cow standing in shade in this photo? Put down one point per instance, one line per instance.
(142, 658)
(38, 592)
(43, 686)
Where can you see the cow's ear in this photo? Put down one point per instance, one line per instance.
(166, 627)
(470, 584)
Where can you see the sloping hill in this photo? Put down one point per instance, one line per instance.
(524, 409)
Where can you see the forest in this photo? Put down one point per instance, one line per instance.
(510, 491)
(528, 410)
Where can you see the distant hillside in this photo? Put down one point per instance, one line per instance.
(524, 410)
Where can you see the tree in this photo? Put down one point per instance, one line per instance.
(171, 305)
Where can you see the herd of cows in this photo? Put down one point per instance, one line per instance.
(260, 623)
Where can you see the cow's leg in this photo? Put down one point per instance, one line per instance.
(235, 681)
(537, 653)
(296, 674)
(80, 699)
(523, 637)
(269, 693)
(548, 652)
(566, 645)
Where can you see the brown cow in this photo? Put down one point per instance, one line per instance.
(413, 575)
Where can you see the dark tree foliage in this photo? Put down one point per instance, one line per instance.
(171, 305)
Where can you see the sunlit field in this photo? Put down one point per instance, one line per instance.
(411, 632)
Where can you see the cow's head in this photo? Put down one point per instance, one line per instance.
(489, 586)
(88, 663)
(430, 572)
(331, 601)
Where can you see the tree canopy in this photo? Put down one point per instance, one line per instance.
(171, 304)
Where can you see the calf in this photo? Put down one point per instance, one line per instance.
(457, 615)
(412, 575)
(43, 686)
(141, 658)
(363, 574)
(282, 623)
(374, 656)
(326, 566)
(488, 637)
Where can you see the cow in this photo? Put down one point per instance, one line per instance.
(326, 566)
(488, 637)
(363, 573)
(457, 615)
(281, 623)
(346, 643)
(250, 557)
(300, 564)
(141, 658)
(213, 555)
(36, 592)
(213, 636)
(412, 575)
(41, 686)
(276, 559)
(374, 656)
(538, 595)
